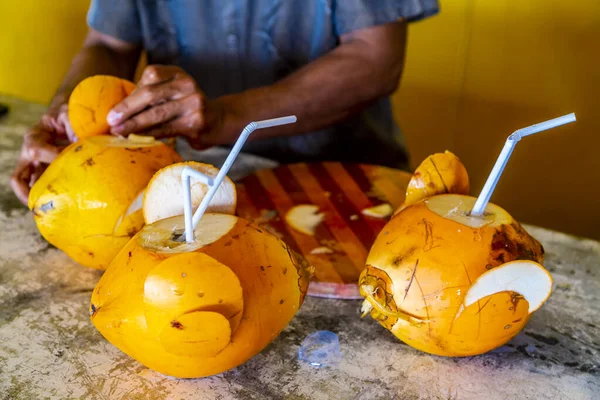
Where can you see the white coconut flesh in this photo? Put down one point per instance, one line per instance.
(458, 208)
(381, 211)
(163, 236)
(527, 278)
(304, 218)
(132, 141)
(164, 194)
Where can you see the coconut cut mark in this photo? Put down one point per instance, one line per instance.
(135, 206)
(381, 211)
(527, 278)
(304, 218)
(165, 192)
(197, 333)
(188, 282)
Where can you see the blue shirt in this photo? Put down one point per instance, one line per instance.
(229, 46)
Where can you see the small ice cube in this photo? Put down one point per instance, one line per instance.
(320, 349)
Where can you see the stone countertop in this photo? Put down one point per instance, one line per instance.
(50, 349)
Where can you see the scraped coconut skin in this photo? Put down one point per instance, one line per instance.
(197, 309)
(440, 173)
(87, 203)
(163, 197)
(428, 257)
(92, 99)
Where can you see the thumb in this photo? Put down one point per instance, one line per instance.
(65, 124)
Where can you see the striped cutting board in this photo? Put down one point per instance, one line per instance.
(340, 191)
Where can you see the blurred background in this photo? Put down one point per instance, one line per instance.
(475, 73)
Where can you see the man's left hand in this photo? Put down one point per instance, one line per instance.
(167, 102)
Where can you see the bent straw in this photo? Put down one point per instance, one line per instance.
(191, 223)
(511, 142)
(186, 174)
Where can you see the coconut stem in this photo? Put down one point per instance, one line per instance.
(388, 313)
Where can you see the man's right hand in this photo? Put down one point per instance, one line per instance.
(38, 150)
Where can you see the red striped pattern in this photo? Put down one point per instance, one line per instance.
(340, 191)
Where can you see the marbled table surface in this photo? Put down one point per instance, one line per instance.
(50, 350)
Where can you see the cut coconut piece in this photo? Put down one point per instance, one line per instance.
(130, 142)
(321, 250)
(304, 218)
(165, 192)
(196, 334)
(133, 138)
(440, 173)
(381, 211)
(437, 174)
(190, 282)
(527, 278)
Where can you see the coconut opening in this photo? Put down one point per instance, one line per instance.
(458, 209)
(162, 236)
(527, 278)
(165, 193)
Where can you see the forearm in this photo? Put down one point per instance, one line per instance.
(320, 94)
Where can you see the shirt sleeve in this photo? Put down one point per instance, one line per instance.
(116, 18)
(351, 15)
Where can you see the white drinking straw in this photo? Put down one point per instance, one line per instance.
(186, 174)
(191, 223)
(511, 142)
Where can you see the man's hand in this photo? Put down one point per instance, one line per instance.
(101, 54)
(166, 103)
(38, 150)
(366, 66)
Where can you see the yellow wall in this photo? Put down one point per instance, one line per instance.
(482, 69)
(475, 73)
(39, 39)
